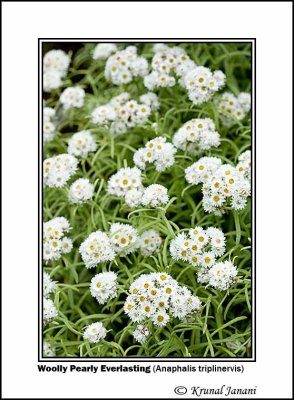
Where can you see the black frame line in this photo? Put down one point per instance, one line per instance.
(55, 359)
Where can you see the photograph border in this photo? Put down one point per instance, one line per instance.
(55, 359)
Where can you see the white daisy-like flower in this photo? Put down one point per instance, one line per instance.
(48, 351)
(104, 50)
(49, 310)
(58, 170)
(141, 333)
(124, 180)
(81, 144)
(72, 97)
(222, 275)
(104, 286)
(155, 196)
(55, 243)
(81, 191)
(232, 108)
(123, 238)
(95, 332)
(96, 249)
(150, 242)
(49, 286)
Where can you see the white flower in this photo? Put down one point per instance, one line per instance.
(124, 180)
(198, 247)
(72, 97)
(103, 114)
(47, 350)
(201, 83)
(56, 60)
(51, 80)
(95, 332)
(150, 242)
(96, 249)
(117, 128)
(155, 195)
(133, 197)
(123, 238)
(244, 165)
(151, 100)
(48, 285)
(233, 108)
(141, 333)
(59, 169)
(103, 50)
(81, 144)
(156, 151)
(55, 243)
(122, 66)
(48, 124)
(158, 298)
(222, 275)
(49, 310)
(104, 286)
(80, 191)
(196, 136)
(202, 169)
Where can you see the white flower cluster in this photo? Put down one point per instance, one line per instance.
(55, 243)
(199, 247)
(158, 297)
(127, 183)
(158, 152)
(232, 108)
(58, 170)
(124, 181)
(220, 276)
(124, 65)
(167, 64)
(150, 242)
(200, 171)
(196, 136)
(95, 332)
(55, 66)
(48, 124)
(201, 83)
(49, 310)
(223, 185)
(123, 238)
(80, 191)
(96, 249)
(122, 112)
(244, 164)
(104, 286)
(104, 50)
(81, 144)
(49, 286)
(141, 333)
(47, 350)
(72, 97)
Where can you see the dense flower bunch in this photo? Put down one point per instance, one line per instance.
(232, 108)
(81, 144)
(158, 152)
(196, 136)
(244, 164)
(158, 298)
(96, 249)
(123, 238)
(201, 83)
(55, 66)
(125, 65)
(223, 185)
(198, 247)
(150, 242)
(95, 332)
(220, 276)
(104, 50)
(48, 285)
(168, 64)
(48, 124)
(141, 333)
(55, 243)
(72, 97)
(122, 112)
(80, 191)
(155, 195)
(58, 170)
(49, 310)
(125, 180)
(104, 286)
